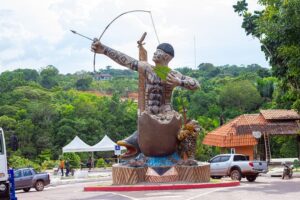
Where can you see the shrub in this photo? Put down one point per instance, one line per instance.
(101, 163)
(296, 163)
(19, 162)
(44, 156)
(110, 161)
(50, 164)
(73, 158)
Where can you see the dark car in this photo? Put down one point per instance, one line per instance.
(26, 178)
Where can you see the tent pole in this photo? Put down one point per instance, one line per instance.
(92, 159)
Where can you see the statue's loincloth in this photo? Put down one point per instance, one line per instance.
(157, 134)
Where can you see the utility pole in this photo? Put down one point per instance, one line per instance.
(195, 52)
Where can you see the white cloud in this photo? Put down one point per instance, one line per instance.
(11, 53)
(36, 33)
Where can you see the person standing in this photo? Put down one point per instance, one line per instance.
(67, 164)
(89, 163)
(62, 166)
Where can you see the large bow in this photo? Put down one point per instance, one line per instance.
(124, 13)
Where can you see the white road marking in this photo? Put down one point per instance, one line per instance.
(202, 194)
(162, 197)
(206, 193)
(158, 193)
(122, 195)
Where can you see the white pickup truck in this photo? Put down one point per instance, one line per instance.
(237, 166)
(4, 183)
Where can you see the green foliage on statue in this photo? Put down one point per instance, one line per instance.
(162, 71)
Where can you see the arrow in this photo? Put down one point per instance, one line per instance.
(81, 35)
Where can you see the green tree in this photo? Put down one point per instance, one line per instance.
(73, 158)
(266, 86)
(49, 76)
(16, 161)
(208, 70)
(7, 123)
(29, 74)
(277, 27)
(8, 110)
(10, 80)
(25, 131)
(84, 83)
(241, 95)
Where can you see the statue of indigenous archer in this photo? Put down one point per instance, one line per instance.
(158, 124)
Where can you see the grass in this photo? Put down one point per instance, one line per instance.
(297, 169)
(215, 180)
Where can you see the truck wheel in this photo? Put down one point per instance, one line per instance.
(26, 189)
(235, 175)
(251, 178)
(39, 186)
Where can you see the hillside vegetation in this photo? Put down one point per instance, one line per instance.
(46, 109)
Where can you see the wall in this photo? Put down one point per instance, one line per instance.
(247, 150)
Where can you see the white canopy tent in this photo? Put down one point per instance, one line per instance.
(77, 145)
(106, 144)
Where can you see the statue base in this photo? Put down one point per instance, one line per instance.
(161, 175)
(124, 175)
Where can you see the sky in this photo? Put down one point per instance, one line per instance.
(34, 33)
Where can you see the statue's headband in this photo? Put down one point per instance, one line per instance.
(167, 48)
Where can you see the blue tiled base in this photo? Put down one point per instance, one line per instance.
(163, 161)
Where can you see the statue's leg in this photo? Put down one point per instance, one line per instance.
(131, 144)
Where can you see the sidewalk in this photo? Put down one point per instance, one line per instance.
(277, 171)
(81, 176)
(101, 174)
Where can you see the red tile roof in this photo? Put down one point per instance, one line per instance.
(238, 132)
(280, 114)
(228, 136)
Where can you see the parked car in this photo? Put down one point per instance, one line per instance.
(237, 166)
(26, 178)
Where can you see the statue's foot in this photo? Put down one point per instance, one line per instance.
(132, 151)
(188, 162)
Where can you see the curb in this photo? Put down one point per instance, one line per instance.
(73, 181)
(123, 188)
(295, 175)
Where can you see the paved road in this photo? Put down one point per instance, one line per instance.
(265, 188)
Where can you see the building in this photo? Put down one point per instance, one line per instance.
(102, 77)
(250, 134)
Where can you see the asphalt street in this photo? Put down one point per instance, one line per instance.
(265, 188)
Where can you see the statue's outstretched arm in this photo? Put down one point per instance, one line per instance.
(115, 55)
(183, 81)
